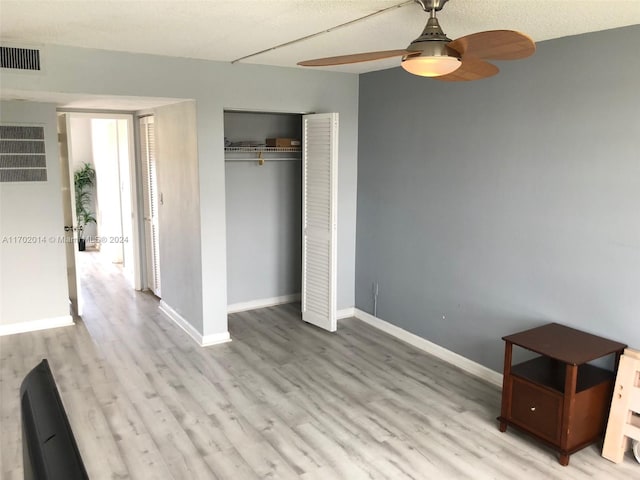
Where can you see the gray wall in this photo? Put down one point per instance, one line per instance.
(264, 211)
(216, 86)
(33, 276)
(258, 126)
(179, 210)
(489, 207)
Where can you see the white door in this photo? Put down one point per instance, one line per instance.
(319, 219)
(150, 193)
(69, 211)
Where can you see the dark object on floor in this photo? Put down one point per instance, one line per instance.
(49, 449)
(558, 398)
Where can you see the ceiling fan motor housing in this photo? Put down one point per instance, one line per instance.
(429, 5)
(432, 42)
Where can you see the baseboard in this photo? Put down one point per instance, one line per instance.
(346, 313)
(272, 302)
(262, 303)
(35, 325)
(201, 340)
(215, 339)
(448, 356)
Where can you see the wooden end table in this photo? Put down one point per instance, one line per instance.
(558, 397)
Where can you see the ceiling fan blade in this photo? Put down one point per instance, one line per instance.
(354, 58)
(495, 45)
(471, 69)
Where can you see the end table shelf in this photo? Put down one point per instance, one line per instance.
(550, 373)
(557, 397)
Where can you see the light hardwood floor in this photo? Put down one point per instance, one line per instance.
(283, 400)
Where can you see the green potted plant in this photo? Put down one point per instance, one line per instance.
(84, 179)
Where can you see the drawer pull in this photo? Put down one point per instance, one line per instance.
(533, 409)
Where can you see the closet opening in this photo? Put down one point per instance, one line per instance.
(263, 176)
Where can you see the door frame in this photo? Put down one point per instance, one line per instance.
(134, 178)
(232, 308)
(334, 242)
(69, 214)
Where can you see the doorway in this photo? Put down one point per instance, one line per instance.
(103, 144)
(263, 185)
(281, 201)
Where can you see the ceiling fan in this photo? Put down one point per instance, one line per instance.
(433, 54)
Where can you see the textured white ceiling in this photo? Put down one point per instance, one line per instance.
(226, 30)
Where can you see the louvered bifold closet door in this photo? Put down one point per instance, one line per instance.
(149, 179)
(319, 222)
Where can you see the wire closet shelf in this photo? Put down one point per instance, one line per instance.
(260, 150)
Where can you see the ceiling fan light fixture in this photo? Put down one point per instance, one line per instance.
(431, 66)
(432, 57)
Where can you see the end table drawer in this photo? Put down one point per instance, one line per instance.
(537, 409)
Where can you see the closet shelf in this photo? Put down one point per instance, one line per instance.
(262, 159)
(262, 154)
(262, 149)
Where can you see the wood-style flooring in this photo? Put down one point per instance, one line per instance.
(284, 400)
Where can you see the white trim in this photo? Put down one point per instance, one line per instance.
(346, 313)
(448, 356)
(203, 341)
(215, 339)
(262, 303)
(35, 325)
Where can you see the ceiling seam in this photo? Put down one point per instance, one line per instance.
(322, 32)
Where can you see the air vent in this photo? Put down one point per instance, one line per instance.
(22, 155)
(20, 58)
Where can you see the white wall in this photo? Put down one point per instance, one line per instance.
(33, 282)
(179, 210)
(81, 140)
(107, 164)
(216, 86)
(81, 153)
